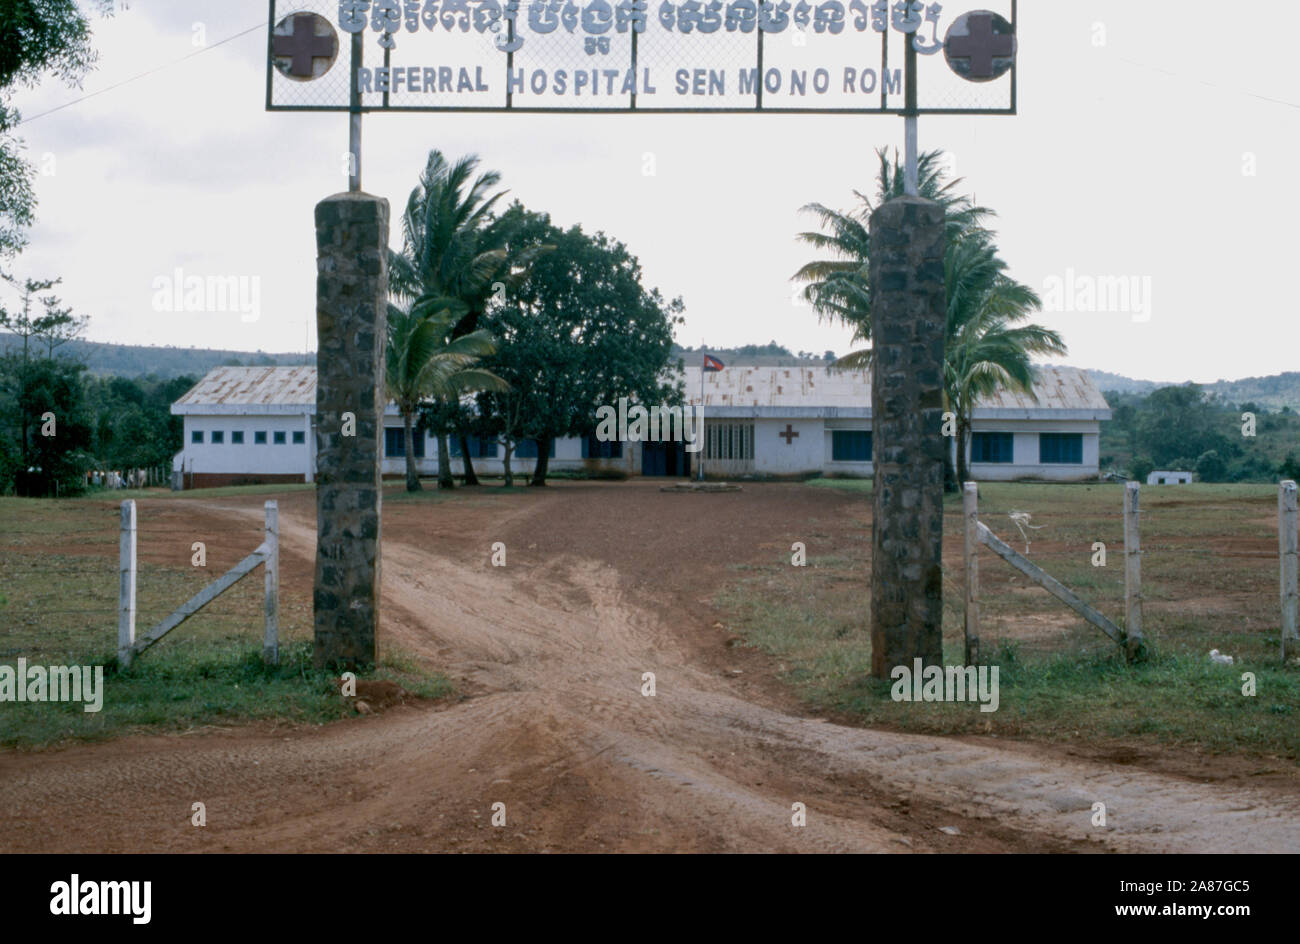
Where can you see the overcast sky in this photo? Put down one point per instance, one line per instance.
(1155, 141)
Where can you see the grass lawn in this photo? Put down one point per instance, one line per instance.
(58, 606)
(1210, 580)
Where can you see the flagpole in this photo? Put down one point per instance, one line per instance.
(699, 477)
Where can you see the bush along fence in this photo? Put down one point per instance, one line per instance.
(267, 554)
(1129, 637)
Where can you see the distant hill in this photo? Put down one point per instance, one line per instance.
(1108, 381)
(1273, 392)
(134, 360)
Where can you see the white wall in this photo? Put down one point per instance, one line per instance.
(806, 452)
(249, 458)
(1025, 451)
(810, 451)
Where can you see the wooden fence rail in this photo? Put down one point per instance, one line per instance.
(978, 533)
(266, 553)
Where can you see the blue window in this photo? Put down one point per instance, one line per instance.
(1060, 448)
(478, 448)
(527, 449)
(259, 437)
(299, 438)
(218, 437)
(279, 439)
(395, 442)
(850, 445)
(992, 447)
(196, 436)
(593, 448)
(236, 437)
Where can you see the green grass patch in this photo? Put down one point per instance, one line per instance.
(1209, 582)
(193, 687)
(58, 606)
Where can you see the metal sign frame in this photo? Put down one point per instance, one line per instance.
(908, 109)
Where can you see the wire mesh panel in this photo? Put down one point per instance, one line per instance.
(633, 55)
(941, 89)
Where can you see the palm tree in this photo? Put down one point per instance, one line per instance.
(442, 256)
(838, 288)
(985, 347)
(425, 362)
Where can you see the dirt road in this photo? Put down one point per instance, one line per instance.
(549, 653)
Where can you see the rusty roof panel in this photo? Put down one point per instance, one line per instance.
(1057, 388)
(288, 389)
(253, 386)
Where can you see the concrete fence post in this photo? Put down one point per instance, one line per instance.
(126, 585)
(1287, 551)
(970, 507)
(1132, 571)
(271, 639)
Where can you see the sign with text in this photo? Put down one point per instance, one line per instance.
(640, 55)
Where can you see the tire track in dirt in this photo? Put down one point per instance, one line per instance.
(562, 735)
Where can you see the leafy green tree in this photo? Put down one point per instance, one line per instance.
(578, 332)
(1289, 468)
(1211, 467)
(1177, 421)
(47, 423)
(1140, 468)
(132, 421)
(1250, 468)
(37, 37)
(489, 283)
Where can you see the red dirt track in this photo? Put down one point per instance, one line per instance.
(605, 581)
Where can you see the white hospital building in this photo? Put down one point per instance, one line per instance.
(246, 425)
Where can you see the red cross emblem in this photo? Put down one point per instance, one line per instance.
(980, 46)
(304, 46)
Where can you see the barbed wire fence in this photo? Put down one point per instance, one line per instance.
(59, 583)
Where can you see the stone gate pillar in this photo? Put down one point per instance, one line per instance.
(908, 313)
(352, 326)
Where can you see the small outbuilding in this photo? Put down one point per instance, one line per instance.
(1169, 478)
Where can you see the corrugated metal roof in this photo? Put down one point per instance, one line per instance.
(1061, 388)
(289, 389)
(252, 386)
(1057, 388)
(779, 386)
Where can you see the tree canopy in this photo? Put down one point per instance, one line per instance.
(37, 38)
(578, 331)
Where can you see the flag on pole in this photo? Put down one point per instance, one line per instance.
(712, 363)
